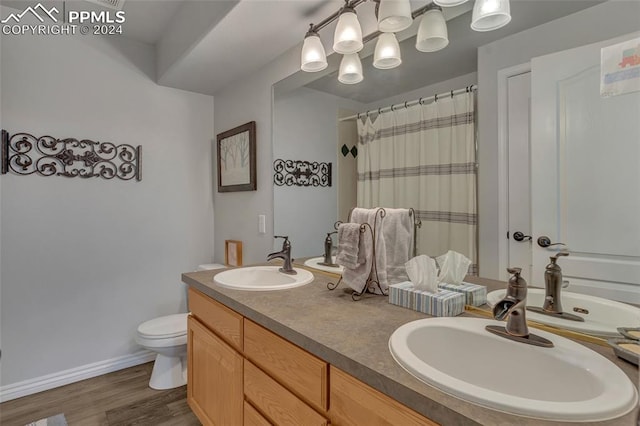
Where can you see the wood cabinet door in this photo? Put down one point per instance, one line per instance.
(214, 386)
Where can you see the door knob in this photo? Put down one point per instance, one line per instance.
(545, 242)
(519, 236)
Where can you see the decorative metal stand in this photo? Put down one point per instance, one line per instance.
(373, 280)
(25, 154)
(417, 223)
(301, 173)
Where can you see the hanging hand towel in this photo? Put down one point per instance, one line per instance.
(397, 232)
(349, 246)
(357, 277)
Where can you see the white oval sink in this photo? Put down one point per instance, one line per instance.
(603, 317)
(568, 382)
(315, 263)
(262, 278)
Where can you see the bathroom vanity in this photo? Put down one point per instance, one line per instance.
(308, 355)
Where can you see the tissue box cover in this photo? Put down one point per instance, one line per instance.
(445, 303)
(476, 295)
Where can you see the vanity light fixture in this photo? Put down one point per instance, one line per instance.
(348, 35)
(449, 3)
(387, 53)
(313, 57)
(393, 16)
(432, 33)
(489, 15)
(350, 69)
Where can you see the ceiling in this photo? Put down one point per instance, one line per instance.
(205, 45)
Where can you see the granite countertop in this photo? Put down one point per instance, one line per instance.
(353, 336)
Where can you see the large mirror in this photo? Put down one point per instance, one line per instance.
(307, 126)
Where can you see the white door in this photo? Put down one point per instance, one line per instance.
(518, 189)
(585, 154)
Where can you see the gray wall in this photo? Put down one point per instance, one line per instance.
(85, 261)
(597, 23)
(305, 127)
(237, 213)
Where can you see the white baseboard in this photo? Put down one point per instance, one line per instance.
(50, 381)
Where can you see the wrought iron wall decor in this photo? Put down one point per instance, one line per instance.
(25, 154)
(301, 173)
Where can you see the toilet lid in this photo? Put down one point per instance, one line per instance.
(164, 327)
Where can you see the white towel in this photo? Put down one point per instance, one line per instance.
(357, 277)
(397, 232)
(349, 246)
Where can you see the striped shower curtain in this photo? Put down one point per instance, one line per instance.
(423, 157)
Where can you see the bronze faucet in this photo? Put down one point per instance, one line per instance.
(284, 254)
(328, 245)
(513, 308)
(552, 287)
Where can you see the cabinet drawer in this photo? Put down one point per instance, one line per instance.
(217, 317)
(275, 401)
(252, 417)
(356, 403)
(302, 373)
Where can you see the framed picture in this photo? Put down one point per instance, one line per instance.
(233, 253)
(237, 159)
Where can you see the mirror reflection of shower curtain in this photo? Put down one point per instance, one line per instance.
(424, 157)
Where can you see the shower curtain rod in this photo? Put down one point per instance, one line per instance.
(406, 104)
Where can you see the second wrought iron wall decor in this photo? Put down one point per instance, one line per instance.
(25, 154)
(301, 173)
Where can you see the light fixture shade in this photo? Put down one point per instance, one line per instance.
(432, 33)
(350, 69)
(489, 15)
(387, 53)
(394, 15)
(313, 57)
(449, 3)
(348, 35)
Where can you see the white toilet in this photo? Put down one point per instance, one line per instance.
(167, 336)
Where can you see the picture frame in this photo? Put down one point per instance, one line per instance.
(236, 153)
(233, 253)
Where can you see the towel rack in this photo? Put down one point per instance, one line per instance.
(373, 279)
(417, 223)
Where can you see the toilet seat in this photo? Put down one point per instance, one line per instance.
(161, 343)
(167, 327)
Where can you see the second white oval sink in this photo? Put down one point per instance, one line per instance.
(262, 278)
(568, 382)
(602, 317)
(314, 262)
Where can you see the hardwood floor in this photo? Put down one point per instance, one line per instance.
(116, 399)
